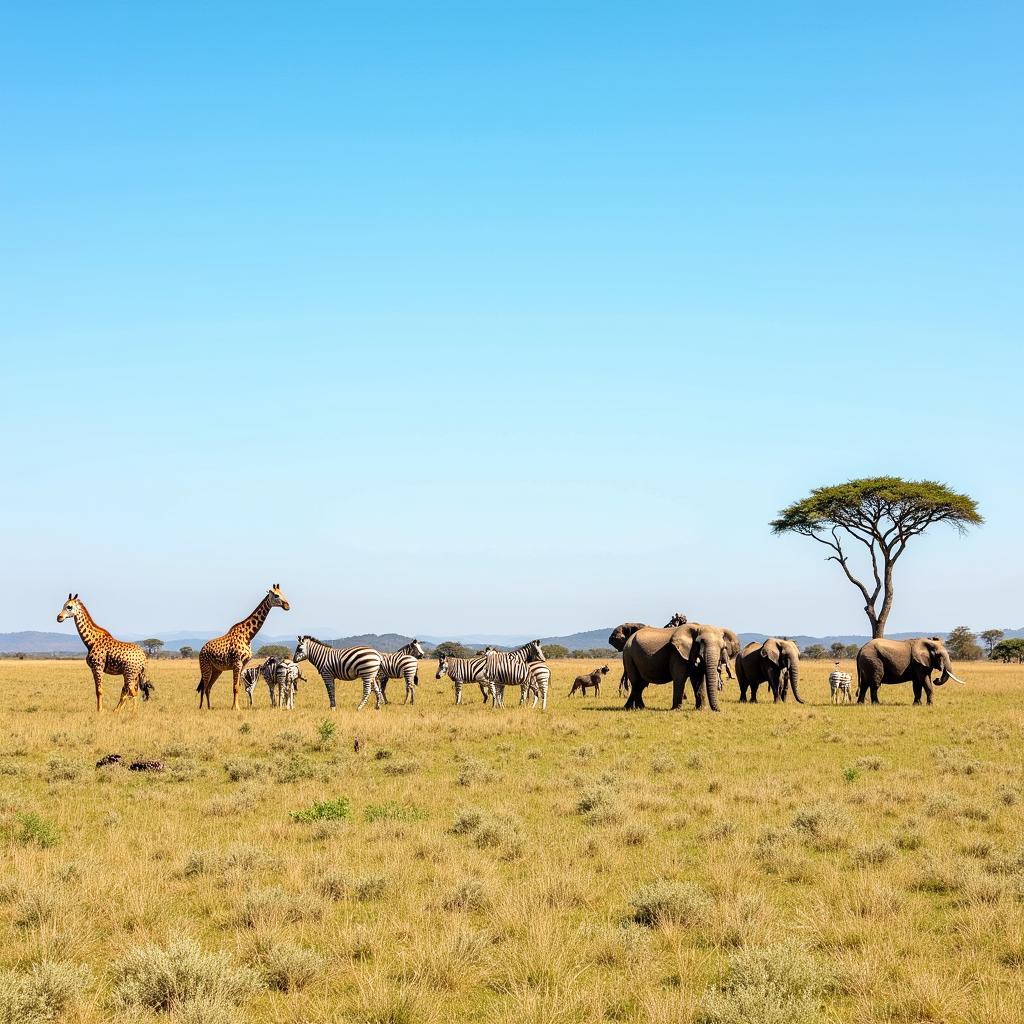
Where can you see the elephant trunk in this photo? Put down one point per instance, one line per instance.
(947, 671)
(794, 677)
(712, 654)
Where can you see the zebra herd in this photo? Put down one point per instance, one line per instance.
(493, 670)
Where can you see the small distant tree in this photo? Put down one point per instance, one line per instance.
(962, 645)
(1009, 650)
(851, 650)
(555, 651)
(882, 514)
(274, 651)
(452, 649)
(20, 655)
(991, 638)
(152, 646)
(815, 652)
(838, 649)
(186, 651)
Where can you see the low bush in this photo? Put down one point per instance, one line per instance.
(324, 810)
(667, 902)
(164, 978)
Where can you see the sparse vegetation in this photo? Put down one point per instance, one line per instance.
(572, 867)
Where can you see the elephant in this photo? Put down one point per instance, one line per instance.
(657, 656)
(617, 639)
(775, 662)
(901, 661)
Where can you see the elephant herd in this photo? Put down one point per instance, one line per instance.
(684, 651)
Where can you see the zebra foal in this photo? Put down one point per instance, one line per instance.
(349, 663)
(401, 664)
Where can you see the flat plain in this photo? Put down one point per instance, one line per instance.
(769, 864)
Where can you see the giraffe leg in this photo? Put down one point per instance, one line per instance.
(236, 674)
(97, 678)
(130, 689)
(212, 675)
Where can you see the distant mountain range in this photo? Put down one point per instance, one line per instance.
(36, 642)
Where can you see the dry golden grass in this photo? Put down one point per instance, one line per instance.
(768, 864)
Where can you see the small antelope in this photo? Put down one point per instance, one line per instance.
(593, 679)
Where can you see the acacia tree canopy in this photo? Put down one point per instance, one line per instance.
(881, 513)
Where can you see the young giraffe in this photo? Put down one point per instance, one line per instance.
(106, 654)
(232, 650)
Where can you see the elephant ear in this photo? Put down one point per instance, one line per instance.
(770, 651)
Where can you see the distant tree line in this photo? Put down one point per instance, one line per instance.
(962, 644)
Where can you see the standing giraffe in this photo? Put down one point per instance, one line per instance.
(232, 650)
(107, 654)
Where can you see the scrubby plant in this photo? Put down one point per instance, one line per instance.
(285, 966)
(40, 994)
(324, 810)
(768, 985)
(35, 830)
(668, 902)
(164, 978)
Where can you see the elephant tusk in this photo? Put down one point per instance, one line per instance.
(960, 681)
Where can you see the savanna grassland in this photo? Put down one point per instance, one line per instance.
(770, 864)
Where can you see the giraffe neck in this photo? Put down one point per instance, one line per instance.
(87, 629)
(249, 627)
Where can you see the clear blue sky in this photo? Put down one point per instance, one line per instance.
(516, 318)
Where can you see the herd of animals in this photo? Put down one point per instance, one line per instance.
(679, 652)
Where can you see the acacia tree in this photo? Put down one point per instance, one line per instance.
(991, 638)
(881, 513)
(152, 646)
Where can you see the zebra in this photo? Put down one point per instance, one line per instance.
(464, 670)
(401, 664)
(251, 676)
(840, 683)
(523, 667)
(350, 663)
(283, 676)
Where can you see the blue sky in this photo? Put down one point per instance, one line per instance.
(472, 317)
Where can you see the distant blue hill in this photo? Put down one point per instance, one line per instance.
(41, 643)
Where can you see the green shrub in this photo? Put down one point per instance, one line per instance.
(324, 810)
(163, 978)
(35, 830)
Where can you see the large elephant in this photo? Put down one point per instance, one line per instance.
(775, 662)
(657, 656)
(903, 661)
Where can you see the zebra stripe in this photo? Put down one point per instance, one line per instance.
(523, 667)
(465, 670)
(349, 663)
(401, 664)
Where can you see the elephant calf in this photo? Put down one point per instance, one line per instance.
(881, 662)
(775, 662)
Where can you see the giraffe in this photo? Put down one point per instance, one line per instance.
(107, 654)
(232, 650)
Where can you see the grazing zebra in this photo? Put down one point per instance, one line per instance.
(350, 663)
(401, 664)
(524, 667)
(464, 670)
